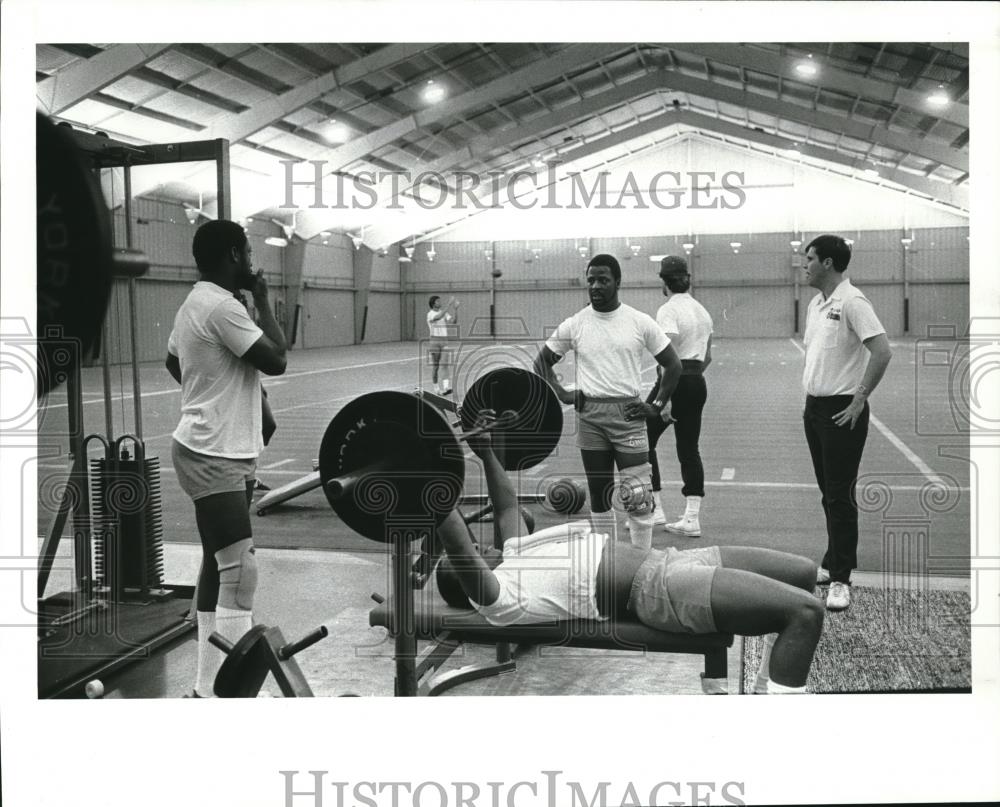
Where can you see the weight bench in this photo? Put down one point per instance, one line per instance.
(448, 628)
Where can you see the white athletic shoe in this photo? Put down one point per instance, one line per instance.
(822, 575)
(658, 517)
(687, 526)
(839, 597)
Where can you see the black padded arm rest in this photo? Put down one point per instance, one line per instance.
(433, 619)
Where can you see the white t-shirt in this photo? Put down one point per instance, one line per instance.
(548, 576)
(439, 327)
(609, 347)
(220, 392)
(686, 317)
(835, 330)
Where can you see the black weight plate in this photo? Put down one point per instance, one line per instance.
(245, 667)
(426, 465)
(535, 433)
(74, 253)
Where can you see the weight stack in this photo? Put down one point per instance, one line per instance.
(127, 527)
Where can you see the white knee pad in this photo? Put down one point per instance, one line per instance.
(636, 491)
(237, 575)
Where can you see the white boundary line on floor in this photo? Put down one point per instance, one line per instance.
(902, 447)
(526, 480)
(284, 378)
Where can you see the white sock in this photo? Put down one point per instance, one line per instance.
(604, 523)
(232, 623)
(641, 530)
(781, 689)
(763, 672)
(209, 656)
(693, 507)
(663, 502)
(714, 686)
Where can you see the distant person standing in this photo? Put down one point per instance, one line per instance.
(443, 325)
(847, 352)
(688, 326)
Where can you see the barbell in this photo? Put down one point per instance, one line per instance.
(392, 466)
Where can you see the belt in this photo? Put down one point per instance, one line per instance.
(622, 399)
(692, 367)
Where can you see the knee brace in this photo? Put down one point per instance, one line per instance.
(636, 491)
(237, 575)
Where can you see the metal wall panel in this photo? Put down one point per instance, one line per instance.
(749, 311)
(939, 305)
(327, 318)
(939, 254)
(330, 262)
(386, 269)
(383, 317)
(156, 303)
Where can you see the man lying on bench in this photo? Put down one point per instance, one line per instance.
(568, 572)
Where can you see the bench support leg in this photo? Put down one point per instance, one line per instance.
(716, 663)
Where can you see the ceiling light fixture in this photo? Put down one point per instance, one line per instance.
(276, 241)
(735, 245)
(807, 67)
(336, 132)
(795, 243)
(939, 97)
(433, 92)
(688, 247)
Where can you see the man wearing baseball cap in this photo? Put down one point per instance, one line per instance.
(688, 326)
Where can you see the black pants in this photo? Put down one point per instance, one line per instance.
(836, 456)
(686, 405)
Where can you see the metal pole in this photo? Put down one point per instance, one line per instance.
(109, 424)
(136, 387)
(222, 179)
(493, 290)
(405, 638)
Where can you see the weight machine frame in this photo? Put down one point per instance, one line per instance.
(84, 603)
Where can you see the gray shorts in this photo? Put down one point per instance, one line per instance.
(672, 591)
(202, 475)
(601, 426)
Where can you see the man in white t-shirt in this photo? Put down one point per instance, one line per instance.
(609, 339)
(688, 326)
(214, 352)
(572, 572)
(847, 352)
(443, 326)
